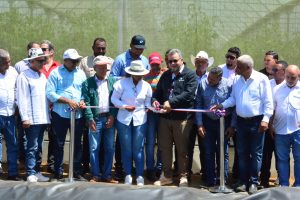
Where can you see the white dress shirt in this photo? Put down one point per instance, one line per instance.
(7, 92)
(252, 97)
(287, 109)
(127, 94)
(229, 74)
(31, 97)
(103, 95)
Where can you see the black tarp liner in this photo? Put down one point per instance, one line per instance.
(86, 191)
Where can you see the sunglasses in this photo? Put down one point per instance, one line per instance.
(44, 49)
(230, 57)
(172, 61)
(275, 70)
(41, 61)
(74, 61)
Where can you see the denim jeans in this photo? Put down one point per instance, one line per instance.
(108, 136)
(250, 148)
(132, 146)
(8, 125)
(151, 135)
(60, 129)
(211, 143)
(33, 140)
(283, 144)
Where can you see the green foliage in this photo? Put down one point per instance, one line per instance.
(190, 35)
(267, 36)
(188, 29)
(69, 30)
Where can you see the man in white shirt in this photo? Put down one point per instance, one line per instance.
(252, 96)
(269, 144)
(229, 73)
(231, 61)
(33, 108)
(8, 77)
(20, 67)
(287, 125)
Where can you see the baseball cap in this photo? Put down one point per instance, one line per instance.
(155, 58)
(71, 54)
(138, 41)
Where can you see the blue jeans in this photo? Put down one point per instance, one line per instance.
(151, 135)
(132, 146)
(60, 129)
(283, 144)
(8, 125)
(33, 140)
(211, 144)
(250, 148)
(108, 135)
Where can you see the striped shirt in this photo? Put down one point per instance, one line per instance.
(152, 78)
(31, 97)
(63, 83)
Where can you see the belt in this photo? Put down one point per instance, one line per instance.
(103, 114)
(251, 118)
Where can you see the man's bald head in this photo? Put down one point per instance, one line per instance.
(292, 74)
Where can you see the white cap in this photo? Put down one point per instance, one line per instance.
(203, 55)
(71, 54)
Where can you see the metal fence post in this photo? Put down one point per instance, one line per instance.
(71, 151)
(222, 188)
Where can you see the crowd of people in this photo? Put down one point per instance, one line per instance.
(124, 105)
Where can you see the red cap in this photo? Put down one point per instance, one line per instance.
(155, 58)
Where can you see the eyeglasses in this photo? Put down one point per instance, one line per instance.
(172, 61)
(44, 49)
(41, 61)
(230, 57)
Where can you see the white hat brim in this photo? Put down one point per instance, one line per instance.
(35, 57)
(144, 72)
(211, 60)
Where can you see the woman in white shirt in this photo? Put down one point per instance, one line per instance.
(132, 96)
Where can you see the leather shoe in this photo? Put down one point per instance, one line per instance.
(252, 189)
(241, 188)
(151, 175)
(57, 177)
(14, 178)
(79, 177)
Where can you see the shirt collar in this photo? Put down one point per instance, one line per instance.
(76, 68)
(129, 57)
(98, 80)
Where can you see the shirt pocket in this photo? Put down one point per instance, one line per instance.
(254, 93)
